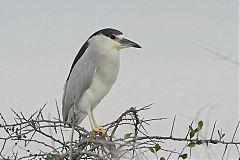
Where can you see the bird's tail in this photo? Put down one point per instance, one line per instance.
(79, 117)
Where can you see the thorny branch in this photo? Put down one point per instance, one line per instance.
(223, 56)
(27, 132)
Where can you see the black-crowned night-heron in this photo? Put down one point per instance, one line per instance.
(93, 72)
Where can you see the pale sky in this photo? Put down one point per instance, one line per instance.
(39, 40)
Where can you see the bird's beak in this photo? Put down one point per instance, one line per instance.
(125, 43)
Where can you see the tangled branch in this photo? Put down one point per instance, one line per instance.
(28, 138)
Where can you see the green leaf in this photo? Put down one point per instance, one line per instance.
(151, 149)
(191, 144)
(198, 142)
(157, 147)
(196, 130)
(127, 135)
(49, 156)
(183, 156)
(33, 124)
(200, 125)
(192, 133)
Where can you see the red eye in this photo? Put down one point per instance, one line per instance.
(112, 36)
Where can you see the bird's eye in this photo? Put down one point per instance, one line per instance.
(112, 36)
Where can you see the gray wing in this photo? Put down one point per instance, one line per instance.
(79, 80)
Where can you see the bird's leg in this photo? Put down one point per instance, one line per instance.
(98, 128)
(90, 119)
(95, 127)
(94, 120)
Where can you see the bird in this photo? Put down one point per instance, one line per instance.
(92, 75)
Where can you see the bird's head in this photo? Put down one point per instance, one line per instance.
(111, 39)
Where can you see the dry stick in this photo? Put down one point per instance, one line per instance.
(152, 119)
(3, 146)
(16, 115)
(173, 126)
(40, 111)
(186, 138)
(214, 126)
(148, 136)
(232, 140)
(90, 153)
(73, 125)
(189, 130)
(224, 151)
(30, 116)
(5, 124)
(221, 55)
(61, 131)
(32, 134)
(51, 137)
(116, 123)
(37, 141)
(136, 123)
(183, 140)
(3, 158)
(235, 131)
(237, 149)
(134, 116)
(35, 122)
(170, 154)
(120, 118)
(141, 126)
(32, 156)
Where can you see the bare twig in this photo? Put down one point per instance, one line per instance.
(173, 126)
(25, 131)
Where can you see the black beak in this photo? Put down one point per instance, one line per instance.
(127, 43)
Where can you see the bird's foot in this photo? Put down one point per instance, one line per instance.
(101, 131)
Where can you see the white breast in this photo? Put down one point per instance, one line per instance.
(105, 76)
(106, 71)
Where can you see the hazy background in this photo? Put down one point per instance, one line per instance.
(39, 40)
